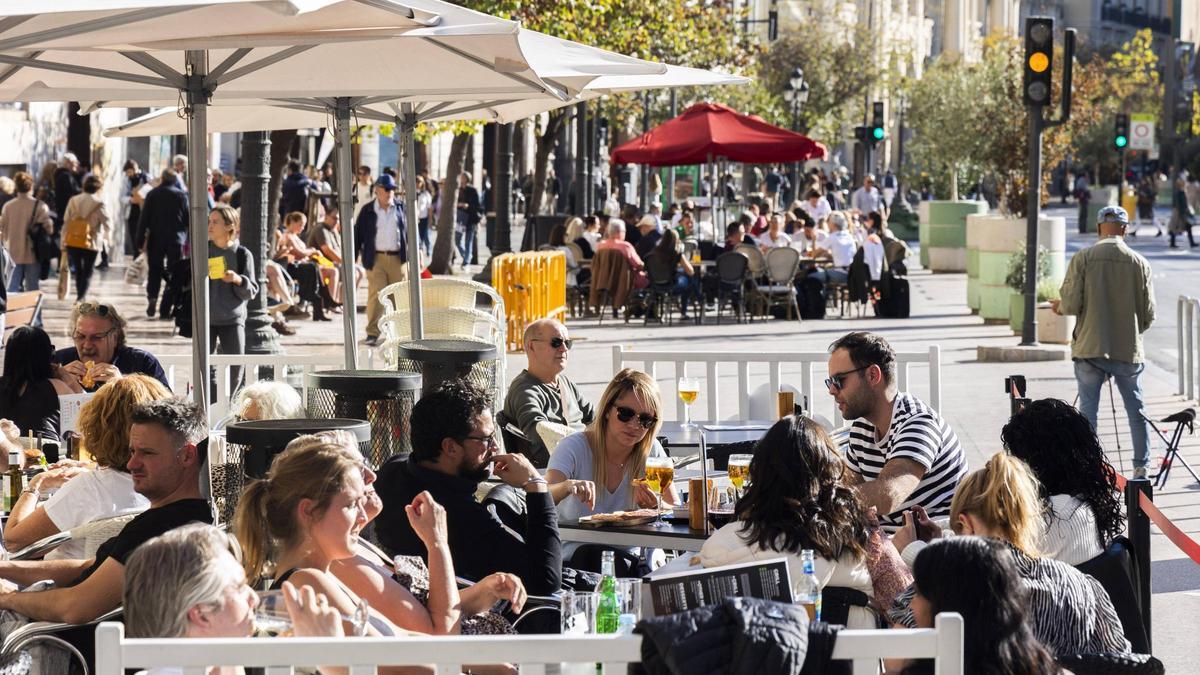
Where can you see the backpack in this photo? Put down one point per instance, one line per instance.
(811, 298)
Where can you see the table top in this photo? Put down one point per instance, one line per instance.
(676, 535)
(724, 433)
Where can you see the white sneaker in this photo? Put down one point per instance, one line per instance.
(1140, 473)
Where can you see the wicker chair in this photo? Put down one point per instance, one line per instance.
(780, 289)
(731, 275)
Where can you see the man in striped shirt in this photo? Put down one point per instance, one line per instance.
(901, 450)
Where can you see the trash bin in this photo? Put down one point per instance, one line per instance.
(250, 447)
(384, 398)
(438, 361)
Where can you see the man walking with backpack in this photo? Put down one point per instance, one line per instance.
(165, 226)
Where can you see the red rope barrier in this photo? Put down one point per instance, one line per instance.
(1177, 536)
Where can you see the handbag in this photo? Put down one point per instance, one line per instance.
(64, 276)
(135, 274)
(78, 231)
(43, 244)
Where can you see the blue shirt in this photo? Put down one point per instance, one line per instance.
(573, 458)
(128, 360)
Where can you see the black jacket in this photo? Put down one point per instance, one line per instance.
(294, 193)
(740, 636)
(66, 185)
(480, 544)
(364, 233)
(165, 215)
(474, 211)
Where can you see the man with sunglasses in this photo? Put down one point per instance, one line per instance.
(541, 392)
(903, 454)
(98, 332)
(454, 449)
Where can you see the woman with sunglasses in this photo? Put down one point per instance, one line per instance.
(611, 453)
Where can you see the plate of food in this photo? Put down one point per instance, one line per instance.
(619, 518)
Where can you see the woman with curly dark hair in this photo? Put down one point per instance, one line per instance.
(798, 499)
(977, 578)
(1079, 487)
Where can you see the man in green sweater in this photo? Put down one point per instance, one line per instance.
(541, 392)
(1109, 287)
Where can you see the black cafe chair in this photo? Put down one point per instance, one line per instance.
(1114, 569)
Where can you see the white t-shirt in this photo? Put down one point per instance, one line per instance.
(781, 240)
(103, 493)
(821, 210)
(842, 247)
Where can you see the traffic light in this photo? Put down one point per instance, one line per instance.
(877, 122)
(1039, 57)
(862, 134)
(1121, 132)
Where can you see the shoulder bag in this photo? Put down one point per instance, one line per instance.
(44, 244)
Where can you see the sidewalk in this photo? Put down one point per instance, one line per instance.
(973, 397)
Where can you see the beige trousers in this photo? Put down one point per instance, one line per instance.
(388, 269)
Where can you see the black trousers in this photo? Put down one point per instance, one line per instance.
(308, 278)
(159, 259)
(83, 261)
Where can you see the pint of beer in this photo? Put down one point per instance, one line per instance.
(787, 403)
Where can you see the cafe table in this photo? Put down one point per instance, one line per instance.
(677, 535)
(674, 435)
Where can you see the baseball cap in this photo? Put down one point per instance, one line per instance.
(386, 182)
(1113, 214)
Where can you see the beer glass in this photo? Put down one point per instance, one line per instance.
(739, 471)
(660, 471)
(689, 391)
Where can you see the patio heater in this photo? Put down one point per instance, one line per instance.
(384, 398)
(442, 360)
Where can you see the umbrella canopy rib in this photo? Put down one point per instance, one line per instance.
(534, 86)
(70, 30)
(12, 70)
(230, 61)
(271, 60)
(154, 65)
(86, 70)
(11, 22)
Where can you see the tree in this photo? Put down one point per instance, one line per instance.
(943, 105)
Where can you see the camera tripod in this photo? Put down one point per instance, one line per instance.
(1183, 418)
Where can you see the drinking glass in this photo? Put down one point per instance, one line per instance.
(660, 471)
(578, 612)
(739, 471)
(629, 596)
(271, 616)
(689, 390)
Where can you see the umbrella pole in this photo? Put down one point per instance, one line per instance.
(342, 174)
(408, 148)
(196, 65)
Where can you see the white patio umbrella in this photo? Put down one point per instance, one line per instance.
(161, 51)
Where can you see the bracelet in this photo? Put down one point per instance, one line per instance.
(536, 480)
(32, 491)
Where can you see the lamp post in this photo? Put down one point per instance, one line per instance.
(796, 93)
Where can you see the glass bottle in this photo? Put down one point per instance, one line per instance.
(807, 591)
(608, 614)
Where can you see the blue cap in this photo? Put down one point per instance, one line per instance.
(1113, 214)
(386, 182)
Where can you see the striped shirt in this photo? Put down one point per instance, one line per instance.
(917, 433)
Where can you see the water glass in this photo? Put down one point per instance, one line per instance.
(271, 616)
(579, 612)
(629, 598)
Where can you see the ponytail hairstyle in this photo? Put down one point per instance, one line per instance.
(1004, 495)
(265, 522)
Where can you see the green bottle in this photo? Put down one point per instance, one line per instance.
(608, 614)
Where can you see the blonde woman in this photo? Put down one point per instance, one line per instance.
(1070, 611)
(231, 284)
(86, 492)
(611, 454)
(89, 207)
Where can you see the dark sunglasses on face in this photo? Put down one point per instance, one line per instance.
(556, 342)
(644, 420)
(838, 380)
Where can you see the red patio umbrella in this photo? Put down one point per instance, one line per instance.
(707, 131)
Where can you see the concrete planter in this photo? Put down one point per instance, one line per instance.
(943, 233)
(923, 232)
(1016, 312)
(1052, 328)
(994, 238)
(1105, 195)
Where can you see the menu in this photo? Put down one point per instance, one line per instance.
(681, 591)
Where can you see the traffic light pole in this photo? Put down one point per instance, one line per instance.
(1037, 124)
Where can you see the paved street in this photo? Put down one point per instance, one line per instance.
(973, 399)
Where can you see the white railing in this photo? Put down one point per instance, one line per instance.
(533, 653)
(289, 368)
(1187, 337)
(781, 368)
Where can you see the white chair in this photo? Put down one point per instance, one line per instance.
(440, 322)
(552, 433)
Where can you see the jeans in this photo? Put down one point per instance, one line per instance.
(464, 241)
(83, 261)
(1090, 375)
(230, 339)
(25, 277)
(687, 288)
(423, 232)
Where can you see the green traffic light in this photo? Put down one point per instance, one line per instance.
(1121, 141)
(877, 132)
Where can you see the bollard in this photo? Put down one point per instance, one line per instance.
(1139, 538)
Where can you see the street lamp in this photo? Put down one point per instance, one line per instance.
(796, 93)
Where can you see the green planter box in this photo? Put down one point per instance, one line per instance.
(946, 234)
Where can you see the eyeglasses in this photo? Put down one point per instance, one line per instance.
(488, 441)
(644, 420)
(556, 342)
(837, 380)
(98, 337)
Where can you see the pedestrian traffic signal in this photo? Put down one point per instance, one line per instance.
(877, 117)
(1121, 132)
(1039, 57)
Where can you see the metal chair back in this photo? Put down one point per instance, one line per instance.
(782, 265)
(758, 264)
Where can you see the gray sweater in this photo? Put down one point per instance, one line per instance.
(530, 401)
(227, 302)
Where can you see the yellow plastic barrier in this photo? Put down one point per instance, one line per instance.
(534, 286)
(1129, 203)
